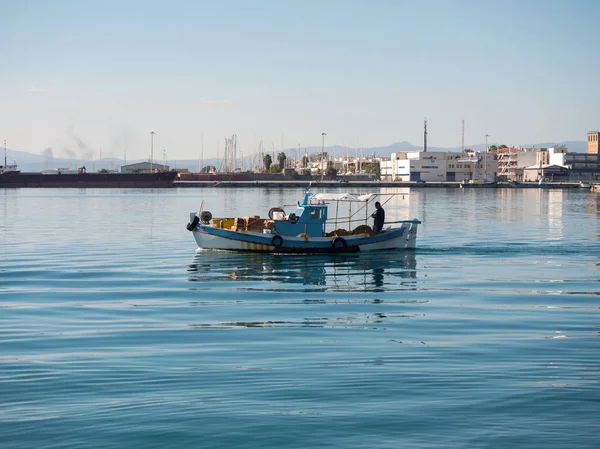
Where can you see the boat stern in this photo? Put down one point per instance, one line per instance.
(411, 237)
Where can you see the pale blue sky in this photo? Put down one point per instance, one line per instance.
(109, 72)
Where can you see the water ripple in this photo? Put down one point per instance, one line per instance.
(486, 336)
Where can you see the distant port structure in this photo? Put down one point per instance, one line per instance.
(144, 167)
(495, 164)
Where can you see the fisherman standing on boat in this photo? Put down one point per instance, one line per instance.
(378, 217)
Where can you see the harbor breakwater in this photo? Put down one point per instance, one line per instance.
(237, 180)
(85, 180)
(353, 184)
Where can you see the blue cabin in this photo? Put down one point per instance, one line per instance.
(309, 219)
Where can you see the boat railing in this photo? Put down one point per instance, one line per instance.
(414, 220)
(334, 223)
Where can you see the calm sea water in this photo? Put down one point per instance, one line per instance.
(115, 333)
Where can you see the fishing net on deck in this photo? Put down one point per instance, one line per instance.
(362, 229)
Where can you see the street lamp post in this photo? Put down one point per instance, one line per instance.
(151, 151)
(322, 153)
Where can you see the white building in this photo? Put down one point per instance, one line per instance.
(424, 166)
(557, 156)
(438, 166)
(386, 169)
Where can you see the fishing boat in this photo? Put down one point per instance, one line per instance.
(476, 183)
(305, 230)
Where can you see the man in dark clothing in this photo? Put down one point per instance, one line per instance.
(378, 218)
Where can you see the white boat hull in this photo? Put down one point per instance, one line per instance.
(399, 237)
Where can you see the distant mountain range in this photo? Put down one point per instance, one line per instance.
(30, 162)
(574, 146)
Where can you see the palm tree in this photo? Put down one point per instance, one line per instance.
(267, 161)
(281, 157)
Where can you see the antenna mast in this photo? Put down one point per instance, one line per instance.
(425, 137)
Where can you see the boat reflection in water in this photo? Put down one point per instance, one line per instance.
(375, 272)
(273, 290)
